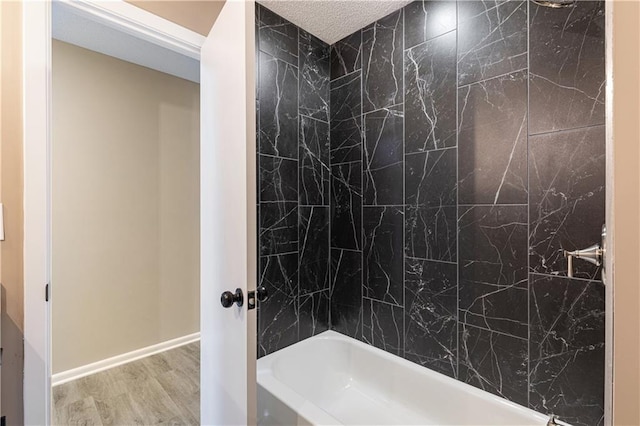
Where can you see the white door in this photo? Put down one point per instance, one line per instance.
(228, 217)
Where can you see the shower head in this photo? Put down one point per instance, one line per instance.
(555, 4)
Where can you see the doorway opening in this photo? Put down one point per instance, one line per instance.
(125, 243)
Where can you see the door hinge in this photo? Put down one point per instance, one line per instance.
(46, 292)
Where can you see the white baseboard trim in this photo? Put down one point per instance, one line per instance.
(105, 364)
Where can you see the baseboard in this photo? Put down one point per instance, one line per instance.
(105, 364)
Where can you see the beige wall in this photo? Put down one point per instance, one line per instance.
(626, 204)
(196, 15)
(125, 271)
(11, 276)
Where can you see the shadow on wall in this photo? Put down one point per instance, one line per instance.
(12, 367)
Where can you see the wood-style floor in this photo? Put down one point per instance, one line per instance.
(160, 389)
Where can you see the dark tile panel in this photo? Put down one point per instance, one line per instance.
(278, 113)
(492, 38)
(314, 314)
(382, 76)
(315, 65)
(567, 66)
(346, 119)
(492, 141)
(383, 165)
(278, 228)
(493, 268)
(431, 334)
(346, 199)
(277, 36)
(314, 162)
(278, 179)
(431, 233)
(346, 277)
(382, 257)
(430, 94)
(430, 178)
(426, 19)
(346, 319)
(567, 349)
(382, 326)
(494, 362)
(278, 326)
(346, 55)
(314, 249)
(567, 210)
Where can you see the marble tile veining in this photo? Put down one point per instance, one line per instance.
(567, 67)
(567, 210)
(383, 159)
(493, 268)
(492, 38)
(430, 94)
(567, 349)
(382, 326)
(494, 362)
(382, 76)
(492, 141)
(431, 324)
(383, 253)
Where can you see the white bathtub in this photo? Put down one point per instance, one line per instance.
(331, 379)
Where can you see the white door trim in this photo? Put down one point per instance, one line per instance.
(36, 36)
(144, 25)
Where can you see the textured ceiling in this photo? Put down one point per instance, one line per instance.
(332, 20)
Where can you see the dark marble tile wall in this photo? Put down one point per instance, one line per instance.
(293, 72)
(466, 150)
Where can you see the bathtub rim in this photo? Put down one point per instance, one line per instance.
(316, 415)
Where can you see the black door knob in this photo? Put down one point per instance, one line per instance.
(227, 299)
(262, 294)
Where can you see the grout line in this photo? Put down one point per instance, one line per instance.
(493, 205)
(447, 262)
(265, 256)
(275, 58)
(564, 277)
(309, 116)
(298, 122)
(277, 156)
(569, 130)
(528, 210)
(329, 201)
(362, 148)
(434, 149)
(404, 215)
(457, 372)
(406, 49)
(350, 73)
(381, 301)
(387, 108)
(347, 162)
(492, 78)
(466, 325)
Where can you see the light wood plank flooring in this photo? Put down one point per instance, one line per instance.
(162, 389)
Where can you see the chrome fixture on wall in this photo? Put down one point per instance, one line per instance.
(555, 4)
(593, 254)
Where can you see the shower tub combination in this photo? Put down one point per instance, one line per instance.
(331, 379)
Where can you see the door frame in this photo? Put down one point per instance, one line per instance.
(37, 36)
(117, 14)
